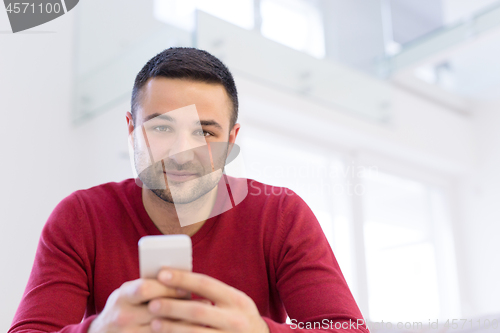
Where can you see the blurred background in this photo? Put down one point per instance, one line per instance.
(381, 114)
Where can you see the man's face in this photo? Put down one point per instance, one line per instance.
(180, 137)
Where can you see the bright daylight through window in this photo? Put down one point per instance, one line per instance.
(295, 23)
(181, 13)
(401, 217)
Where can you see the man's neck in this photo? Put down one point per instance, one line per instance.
(166, 215)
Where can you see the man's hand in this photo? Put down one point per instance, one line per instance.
(233, 311)
(126, 309)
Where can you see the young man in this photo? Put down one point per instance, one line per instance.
(256, 257)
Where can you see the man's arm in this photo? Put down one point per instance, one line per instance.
(308, 277)
(58, 287)
(58, 293)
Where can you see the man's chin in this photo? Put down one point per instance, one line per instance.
(178, 196)
(182, 191)
(162, 195)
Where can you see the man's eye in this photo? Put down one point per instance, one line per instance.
(203, 133)
(161, 129)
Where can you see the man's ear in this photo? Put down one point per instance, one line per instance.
(234, 133)
(232, 137)
(130, 123)
(130, 127)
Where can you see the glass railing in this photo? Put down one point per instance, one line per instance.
(105, 73)
(441, 40)
(112, 82)
(250, 54)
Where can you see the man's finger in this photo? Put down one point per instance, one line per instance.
(203, 300)
(190, 311)
(164, 325)
(143, 290)
(134, 315)
(205, 286)
(144, 329)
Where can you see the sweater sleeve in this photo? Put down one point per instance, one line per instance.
(308, 277)
(56, 296)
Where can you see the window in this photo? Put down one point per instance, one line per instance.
(294, 23)
(401, 217)
(181, 12)
(391, 234)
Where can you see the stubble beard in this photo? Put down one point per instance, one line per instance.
(186, 192)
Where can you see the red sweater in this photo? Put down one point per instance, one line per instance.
(270, 246)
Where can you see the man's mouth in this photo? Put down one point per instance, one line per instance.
(180, 176)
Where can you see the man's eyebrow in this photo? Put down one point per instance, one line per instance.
(171, 119)
(209, 123)
(160, 116)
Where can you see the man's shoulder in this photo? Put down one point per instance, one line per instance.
(109, 201)
(277, 208)
(106, 196)
(127, 187)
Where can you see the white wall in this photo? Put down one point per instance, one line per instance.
(419, 132)
(480, 195)
(37, 157)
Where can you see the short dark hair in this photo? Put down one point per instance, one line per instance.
(186, 63)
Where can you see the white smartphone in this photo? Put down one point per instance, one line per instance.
(156, 252)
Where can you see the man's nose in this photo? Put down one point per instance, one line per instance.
(182, 149)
